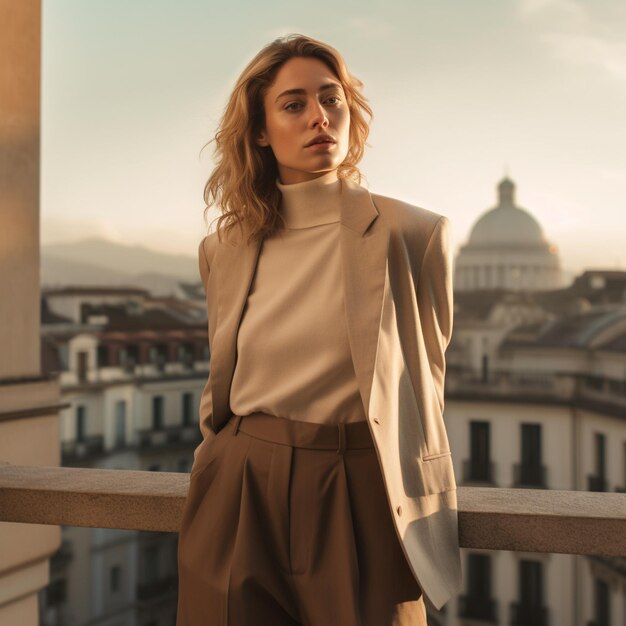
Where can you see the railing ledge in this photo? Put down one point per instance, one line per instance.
(534, 520)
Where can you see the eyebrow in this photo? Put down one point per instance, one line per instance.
(325, 87)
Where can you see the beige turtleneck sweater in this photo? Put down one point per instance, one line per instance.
(293, 355)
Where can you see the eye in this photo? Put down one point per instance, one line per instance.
(295, 106)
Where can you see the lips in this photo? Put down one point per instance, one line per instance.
(320, 139)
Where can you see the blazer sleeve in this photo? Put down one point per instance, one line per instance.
(205, 411)
(435, 302)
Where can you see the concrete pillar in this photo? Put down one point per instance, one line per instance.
(29, 402)
(19, 187)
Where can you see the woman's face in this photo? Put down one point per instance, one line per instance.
(315, 104)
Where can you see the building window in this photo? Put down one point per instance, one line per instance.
(115, 575)
(477, 604)
(530, 471)
(63, 352)
(81, 422)
(157, 412)
(600, 449)
(479, 576)
(56, 592)
(602, 603)
(151, 564)
(83, 361)
(129, 357)
(624, 467)
(187, 408)
(120, 423)
(597, 481)
(531, 445)
(186, 354)
(103, 356)
(479, 451)
(183, 466)
(158, 356)
(485, 368)
(531, 583)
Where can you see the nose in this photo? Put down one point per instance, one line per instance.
(319, 116)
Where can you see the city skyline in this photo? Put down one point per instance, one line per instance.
(462, 96)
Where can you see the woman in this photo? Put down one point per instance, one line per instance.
(323, 491)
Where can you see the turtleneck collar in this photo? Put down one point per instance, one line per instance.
(312, 202)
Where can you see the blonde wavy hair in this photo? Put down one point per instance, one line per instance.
(243, 183)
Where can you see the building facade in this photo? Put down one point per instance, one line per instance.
(132, 369)
(536, 398)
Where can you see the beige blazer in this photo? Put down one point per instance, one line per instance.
(398, 298)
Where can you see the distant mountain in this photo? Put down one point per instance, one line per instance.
(100, 262)
(123, 258)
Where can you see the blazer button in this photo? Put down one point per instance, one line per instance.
(399, 510)
(376, 420)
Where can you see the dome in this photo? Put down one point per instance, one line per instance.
(506, 223)
(507, 250)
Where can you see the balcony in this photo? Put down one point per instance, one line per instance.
(603, 391)
(153, 370)
(480, 471)
(170, 435)
(82, 448)
(596, 483)
(530, 476)
(535, 386)
(156, 589)
(477, 609)
(528, 615)
(524, 386)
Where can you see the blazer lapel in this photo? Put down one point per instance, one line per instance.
(364, 258)
(364, 254)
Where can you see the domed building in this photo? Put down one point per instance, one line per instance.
(507, 249)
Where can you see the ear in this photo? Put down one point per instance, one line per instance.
(261, 139)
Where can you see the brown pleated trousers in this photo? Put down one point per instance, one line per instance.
(287, 523)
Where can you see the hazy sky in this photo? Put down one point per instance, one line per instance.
(462, 91)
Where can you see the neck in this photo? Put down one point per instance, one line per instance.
(312, 202)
